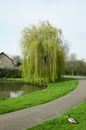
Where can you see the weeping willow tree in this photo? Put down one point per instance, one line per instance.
(43, 52)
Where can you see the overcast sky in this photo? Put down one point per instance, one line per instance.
(69, 15)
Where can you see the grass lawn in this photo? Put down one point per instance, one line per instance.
(53, 91)
(61, 123)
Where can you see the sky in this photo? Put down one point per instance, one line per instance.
(69, 15)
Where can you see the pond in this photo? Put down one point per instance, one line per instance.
(10, 89)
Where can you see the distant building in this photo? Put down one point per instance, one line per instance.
(5, 61)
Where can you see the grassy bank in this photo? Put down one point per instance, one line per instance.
(53, 91)
(61, 123)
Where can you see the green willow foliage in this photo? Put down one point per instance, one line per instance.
(43, 53)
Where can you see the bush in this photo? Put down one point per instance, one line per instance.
(10, 73)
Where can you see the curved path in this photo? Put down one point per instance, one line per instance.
(29, 117)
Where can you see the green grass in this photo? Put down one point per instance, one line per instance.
(13, 79)
(61, 123)
(53, 91)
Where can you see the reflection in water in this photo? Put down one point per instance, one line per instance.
(16, 94)
(12, 89)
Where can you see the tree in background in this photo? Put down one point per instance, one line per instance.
(16, 60)
(74, 66)
(43, 52)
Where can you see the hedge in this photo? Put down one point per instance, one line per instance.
(10, 73)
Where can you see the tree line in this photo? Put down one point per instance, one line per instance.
(74, 66)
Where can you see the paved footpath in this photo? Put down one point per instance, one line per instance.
(29, 117)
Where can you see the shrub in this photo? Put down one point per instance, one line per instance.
(10, 73)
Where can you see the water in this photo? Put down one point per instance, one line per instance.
(14, 89)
